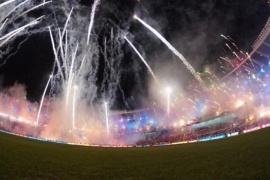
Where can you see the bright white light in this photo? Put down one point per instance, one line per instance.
(262, 114)
(239, 103)
(182, 123)
(168, 89)
(107, 118)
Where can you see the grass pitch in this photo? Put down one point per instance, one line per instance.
(242, 157)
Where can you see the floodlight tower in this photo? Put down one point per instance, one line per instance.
(74, 106)
(168, 92)
(106, 118)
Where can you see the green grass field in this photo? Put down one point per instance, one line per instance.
(242, 157)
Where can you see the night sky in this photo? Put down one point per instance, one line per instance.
(193, 27)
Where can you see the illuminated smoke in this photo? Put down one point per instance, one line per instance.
(179, 55)
(74, 110)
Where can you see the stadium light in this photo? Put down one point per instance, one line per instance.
(168, 92)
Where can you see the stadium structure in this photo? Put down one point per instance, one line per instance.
(142, 125)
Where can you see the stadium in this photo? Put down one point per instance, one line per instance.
(78, 129)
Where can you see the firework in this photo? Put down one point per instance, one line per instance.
(143, 60)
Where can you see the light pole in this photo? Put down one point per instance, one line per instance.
(74, 107)
(168, 92)
(106, 118)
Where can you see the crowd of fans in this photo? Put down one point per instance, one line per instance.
(188, 133)
(156, 135)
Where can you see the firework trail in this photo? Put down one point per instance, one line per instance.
(237, 56)
(42, 99)
(143, 60)
(9, 15)
(113, 54)
(224, 37)
(4, 39)
(55, 54)
(6, 3)
(96, 3)
(33, 8)
(179, 55)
